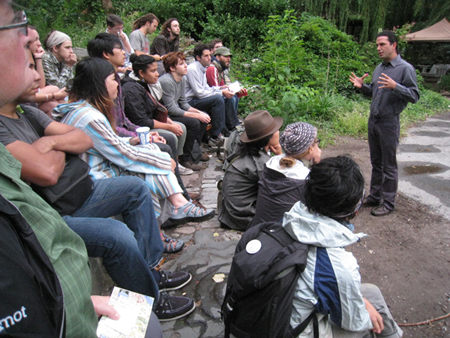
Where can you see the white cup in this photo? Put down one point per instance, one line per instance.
(144, 135)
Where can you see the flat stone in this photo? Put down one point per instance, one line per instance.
(208, 181)
(166, 326)
(209, 225)
(214, 329)
(225, 270)
(203, 236)
(209, 185)
(188, 331)
(185, 230)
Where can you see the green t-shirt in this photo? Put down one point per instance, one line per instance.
(64, 247)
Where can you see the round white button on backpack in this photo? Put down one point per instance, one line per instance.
(253, 246)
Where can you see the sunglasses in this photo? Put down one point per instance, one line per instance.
(20, 21)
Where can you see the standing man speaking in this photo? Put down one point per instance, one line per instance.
(393, 85)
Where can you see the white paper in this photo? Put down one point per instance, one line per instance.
(135, 311)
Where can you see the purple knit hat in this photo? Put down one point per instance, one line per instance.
(297, 138)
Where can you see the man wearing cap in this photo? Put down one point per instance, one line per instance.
(217, 77)
(209, 99)
(240, 182)
(59, 61)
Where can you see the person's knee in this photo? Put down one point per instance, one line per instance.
(135, 184)
(373, 294)
(219, 101)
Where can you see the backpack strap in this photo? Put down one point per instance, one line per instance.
(301, 327)
(229, 304)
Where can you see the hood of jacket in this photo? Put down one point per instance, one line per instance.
(61, 110)
(277, 183)
(317, 230)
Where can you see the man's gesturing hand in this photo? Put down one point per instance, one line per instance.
(357, 81)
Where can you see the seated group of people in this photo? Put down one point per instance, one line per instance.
(281, 178)
(46, 288)
(177, 107)
(87, 105)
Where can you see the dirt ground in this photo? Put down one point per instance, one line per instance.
(407, 254)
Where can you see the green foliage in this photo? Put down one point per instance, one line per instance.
(60, 14)
(429, 104)
(191, 14)
(444, 85)
(401, 32)
(304, 63)
(240, 24)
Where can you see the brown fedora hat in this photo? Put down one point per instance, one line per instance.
(260, 124)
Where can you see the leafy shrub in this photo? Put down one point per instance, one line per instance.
(444, 84)
(241, 24)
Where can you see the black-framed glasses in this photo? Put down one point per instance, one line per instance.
(317, 141)
(20, 21)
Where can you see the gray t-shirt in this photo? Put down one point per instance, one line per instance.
(21, 129)
(174, 97)
(139, 41)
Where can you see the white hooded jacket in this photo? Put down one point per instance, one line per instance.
(331, 281)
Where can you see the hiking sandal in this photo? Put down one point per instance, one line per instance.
(190, 213)
(171, 245)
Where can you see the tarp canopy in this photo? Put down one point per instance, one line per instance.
(439, 32)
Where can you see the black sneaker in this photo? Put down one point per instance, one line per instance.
(173, 307)
(173, 280)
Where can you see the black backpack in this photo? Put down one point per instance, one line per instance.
(261, 284)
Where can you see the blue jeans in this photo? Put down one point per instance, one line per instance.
(215, 107)
(128, 250)
(231, 112)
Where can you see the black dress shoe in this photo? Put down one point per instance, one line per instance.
(368, 202)
(381, 211)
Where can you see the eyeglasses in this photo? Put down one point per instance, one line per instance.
(317, 141)
(20, 21)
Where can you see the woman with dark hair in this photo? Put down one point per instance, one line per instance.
(89, 108)
(142, 108)
(331, 283)
(283, 178)
(240, 182)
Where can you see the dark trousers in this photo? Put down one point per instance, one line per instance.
(195, 131)
(231, 112)
(383, 142)
(214, 106)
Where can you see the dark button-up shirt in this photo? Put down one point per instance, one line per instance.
(162, 45)
(388, 103)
